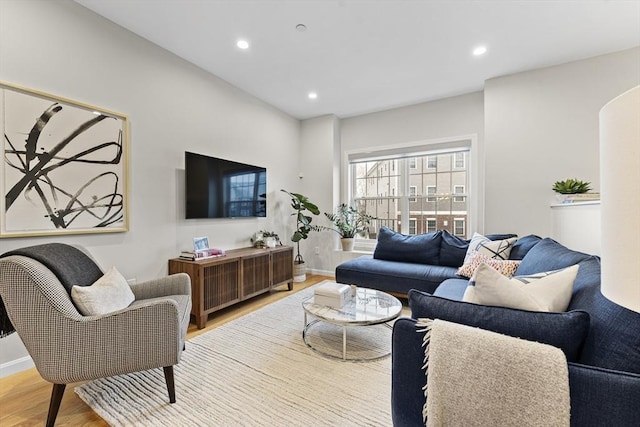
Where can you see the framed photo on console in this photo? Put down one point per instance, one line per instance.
(64, 166)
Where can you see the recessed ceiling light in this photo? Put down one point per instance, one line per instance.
(243, 44)
(301, 27)
(312, 95)
(480, 50)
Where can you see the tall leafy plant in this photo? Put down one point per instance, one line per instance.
(302, 206)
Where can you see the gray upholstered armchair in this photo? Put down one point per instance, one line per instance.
(67, 346)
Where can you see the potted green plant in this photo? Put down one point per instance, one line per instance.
(570, 190)
(571, 186)
(301, 206)
(348, 222)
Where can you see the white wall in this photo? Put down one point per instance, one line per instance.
(541, 126)
(64, 49)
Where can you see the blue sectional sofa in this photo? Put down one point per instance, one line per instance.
(402, 262)
(600, 339)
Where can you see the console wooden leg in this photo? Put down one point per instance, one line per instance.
(290, 286)
(54, 403)
(201, 321)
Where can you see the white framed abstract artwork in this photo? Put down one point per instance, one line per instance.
(64, 167)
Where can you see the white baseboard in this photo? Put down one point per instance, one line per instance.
(15, 366)
(322, 272)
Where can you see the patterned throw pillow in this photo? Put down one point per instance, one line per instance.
(504, 266)
(549, 291)
(498, 249)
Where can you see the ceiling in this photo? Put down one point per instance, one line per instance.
(362, 56)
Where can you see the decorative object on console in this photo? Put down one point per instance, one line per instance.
(301, 204)
(264, 238)
(348, 222)
(65, 166)
(620, 183)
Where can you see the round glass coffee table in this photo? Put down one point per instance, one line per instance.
(368, 307)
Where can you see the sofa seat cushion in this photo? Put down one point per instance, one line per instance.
(421, 248)
(392, 276)
(452, 289)
(566, 331)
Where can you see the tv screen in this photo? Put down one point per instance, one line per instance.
(219, 188)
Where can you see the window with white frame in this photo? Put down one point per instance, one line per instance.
(401, 177)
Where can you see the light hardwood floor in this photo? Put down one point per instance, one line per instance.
(24, 397)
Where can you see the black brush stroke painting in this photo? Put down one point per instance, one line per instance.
(45, 172)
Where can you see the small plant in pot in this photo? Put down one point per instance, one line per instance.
(571, 186)
(301, 206)
(348, 222)
(572, 190)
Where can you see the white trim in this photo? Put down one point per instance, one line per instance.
(14, 366)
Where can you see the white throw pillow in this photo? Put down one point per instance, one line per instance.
(497, 249)
(109, 293)
(549, 291)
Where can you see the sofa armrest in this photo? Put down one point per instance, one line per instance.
(602, 397)
(175, 284)
(407, 375)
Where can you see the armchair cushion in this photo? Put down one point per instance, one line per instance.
(108, 294)
(566, 331)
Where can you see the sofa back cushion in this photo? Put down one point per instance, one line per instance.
(548, 255)
(453, 249)
(566, 331)
(523, 245)
(421, 248)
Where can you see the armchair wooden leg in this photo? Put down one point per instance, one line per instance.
(54, 403)
(171, 388)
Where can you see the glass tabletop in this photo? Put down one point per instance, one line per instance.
(369, 307)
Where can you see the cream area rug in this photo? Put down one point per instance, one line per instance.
(257, 371)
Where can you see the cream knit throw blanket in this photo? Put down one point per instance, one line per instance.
(480, 378)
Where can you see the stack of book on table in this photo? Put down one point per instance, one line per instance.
(199, 254)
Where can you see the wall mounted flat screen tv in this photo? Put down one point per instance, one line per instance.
(219, 188)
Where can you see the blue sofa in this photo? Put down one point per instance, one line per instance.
(601, 340)
(402, 262)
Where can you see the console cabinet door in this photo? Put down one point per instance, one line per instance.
(255, 275)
